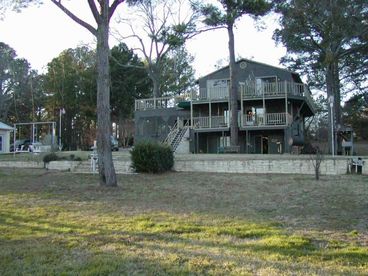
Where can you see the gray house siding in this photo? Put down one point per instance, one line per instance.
(271, 111)
(251, 71)
(155, 124)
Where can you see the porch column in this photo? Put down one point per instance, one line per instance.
(210, 114)
(246, 141)
(264, 105)
(286, 106)
(191, 110)
(286, 141)
(241, 105)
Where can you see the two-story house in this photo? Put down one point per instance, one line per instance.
(272, 106)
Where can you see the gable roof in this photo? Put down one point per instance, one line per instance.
(296, 75)
(5, 127)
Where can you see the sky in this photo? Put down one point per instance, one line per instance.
(40, 34)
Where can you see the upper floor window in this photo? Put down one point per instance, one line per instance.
(220, 83)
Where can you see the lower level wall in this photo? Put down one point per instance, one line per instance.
(21, 164)
(294, 166)
(214, 163)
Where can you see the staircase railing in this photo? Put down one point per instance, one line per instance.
(175, 143)
(170, 137)
(176, 135)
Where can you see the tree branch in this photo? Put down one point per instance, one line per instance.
(74, 17)
(94, 10)
(113, 7)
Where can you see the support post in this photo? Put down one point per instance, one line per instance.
(286, 106)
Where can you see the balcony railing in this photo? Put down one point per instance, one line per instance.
(161, 102)
(210, 122)
(268, 119)
(212, 93)
(252, 89)
(270, 89)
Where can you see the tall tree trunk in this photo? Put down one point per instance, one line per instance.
(333, 89)
(337, 106)
(154, 75)
(156, 88)
(234, 133)
(105, 164)
(330, 92)
(121, 128)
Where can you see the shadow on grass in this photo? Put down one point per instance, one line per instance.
(149, 237)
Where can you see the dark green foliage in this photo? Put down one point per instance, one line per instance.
(50, 157)
(152, 157)
(54, 157)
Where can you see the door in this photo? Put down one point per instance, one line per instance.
(1, 143)
(264, 144)
(261, 144)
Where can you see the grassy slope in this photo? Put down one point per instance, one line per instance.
(181, 223)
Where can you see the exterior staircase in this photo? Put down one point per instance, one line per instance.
(176, 135)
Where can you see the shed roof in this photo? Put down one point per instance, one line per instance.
(5, 127)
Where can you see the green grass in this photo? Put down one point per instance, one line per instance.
(182, 224)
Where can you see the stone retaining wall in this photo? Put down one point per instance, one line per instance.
(214, 163)
(295, 166)
(21, 164)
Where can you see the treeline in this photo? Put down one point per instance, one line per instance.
(69, 83)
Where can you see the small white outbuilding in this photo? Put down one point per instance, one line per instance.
(5, 137)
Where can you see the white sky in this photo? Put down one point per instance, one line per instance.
(40, 33)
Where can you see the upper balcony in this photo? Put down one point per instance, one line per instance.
(161, 102)
(256, 90)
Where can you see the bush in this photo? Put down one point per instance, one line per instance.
(152, 157)
(50, 157)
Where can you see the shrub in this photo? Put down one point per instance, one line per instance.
(50, 157)
(152, 157)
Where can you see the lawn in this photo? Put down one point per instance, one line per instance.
(54, 223)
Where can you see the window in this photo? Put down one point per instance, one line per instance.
(1, 143)
(224, 141)
(223, 83)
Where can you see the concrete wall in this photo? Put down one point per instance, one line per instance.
(224, 163)
(21, 164)
(261, 166)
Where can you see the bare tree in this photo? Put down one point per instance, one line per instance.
(165, 26)
(102, 16)
(317, 160)
(102, 12)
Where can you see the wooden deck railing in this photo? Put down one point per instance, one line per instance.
(213, 93)
(210, 122)
(270, 89)
(268, 119)
(161, 102)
